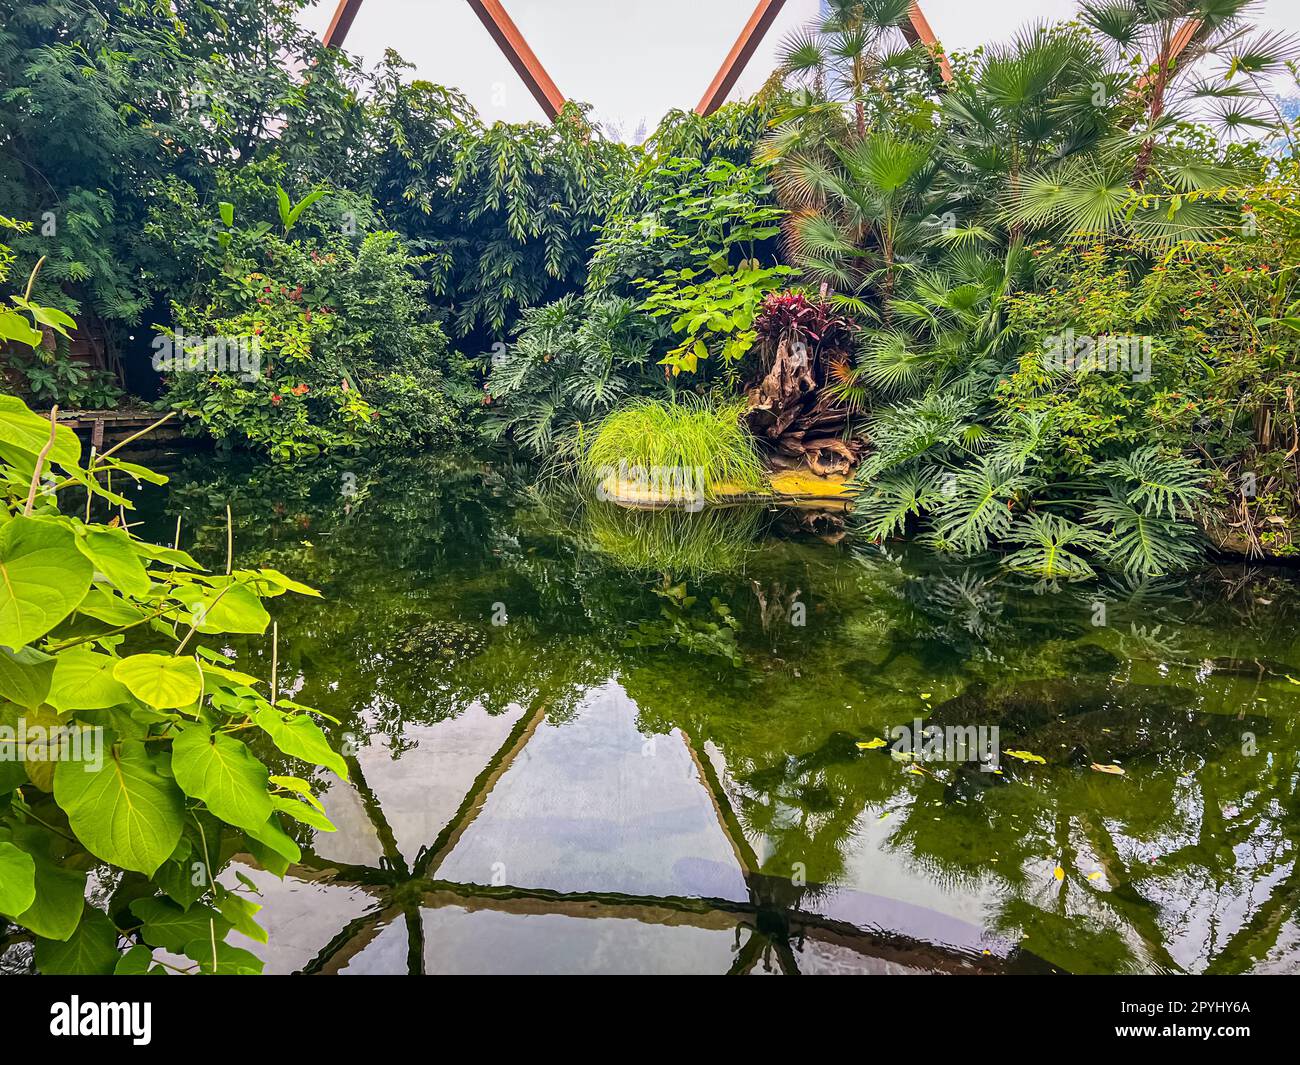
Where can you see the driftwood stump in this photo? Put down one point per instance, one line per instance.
(791, 411)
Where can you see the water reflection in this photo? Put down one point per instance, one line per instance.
(655, 767)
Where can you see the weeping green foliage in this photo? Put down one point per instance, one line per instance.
(699, 438)
(509, 211)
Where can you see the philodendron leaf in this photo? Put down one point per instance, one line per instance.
(25, 676)
(17, 879)
(111, 553)
(126, 812)
(163, 681)
(83, 680)
(90, 951)
(43, 578)
(224, 774)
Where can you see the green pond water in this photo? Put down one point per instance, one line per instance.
(587, 740)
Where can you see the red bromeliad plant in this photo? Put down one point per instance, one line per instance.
(794, 317)
(801, 341)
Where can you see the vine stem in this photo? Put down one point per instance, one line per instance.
(91, 470)
(136, 436)
(194, 627)
(40, 459)
(114, 632)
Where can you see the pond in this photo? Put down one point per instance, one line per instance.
(588, 740)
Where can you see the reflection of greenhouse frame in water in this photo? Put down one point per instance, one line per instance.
(806, 789)
(772, 914)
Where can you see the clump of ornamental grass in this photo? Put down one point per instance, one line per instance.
(685, 443)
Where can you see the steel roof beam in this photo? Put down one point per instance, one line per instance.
(503, 30)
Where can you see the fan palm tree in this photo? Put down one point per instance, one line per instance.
(857, 215)
(854, 57)
(1027, 105)
(1175, 47)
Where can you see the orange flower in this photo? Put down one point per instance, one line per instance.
(300, 389)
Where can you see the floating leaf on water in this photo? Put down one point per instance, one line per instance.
(1114, 770)
(871, 745)
(1027, 756)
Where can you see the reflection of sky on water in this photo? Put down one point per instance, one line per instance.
(543, 797)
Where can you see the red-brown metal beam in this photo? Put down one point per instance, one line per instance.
(521, 57)
(503, 30)
(918, 29)
(741, 53)
(341, 23)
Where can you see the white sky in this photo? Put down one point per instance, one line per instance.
(635, 59)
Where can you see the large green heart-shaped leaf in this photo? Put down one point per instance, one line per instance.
(83, 680)
(25, 676)
(43, 577)
(271, 839)
(162, 681)
(103, 605)
(230, 961)
(138, 961)
(60, 892)
(299, 736)
(17, 879)
(230, 608)
(30, 433)
(90, 951)
(126, 813)
(111, 552)
(166, 925)
(224, 774)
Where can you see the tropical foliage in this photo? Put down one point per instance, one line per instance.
(126, 734)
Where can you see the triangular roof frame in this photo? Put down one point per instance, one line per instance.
(515, 48)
